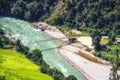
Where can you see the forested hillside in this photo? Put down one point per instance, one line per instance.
(88, 15)
(31, 10)
(84, 15)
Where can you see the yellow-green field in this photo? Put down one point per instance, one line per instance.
(104, 41)
(15, 66)
(83, 34)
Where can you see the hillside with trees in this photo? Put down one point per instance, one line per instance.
(85, 15)
(88, 15)
(98, 18)
(31, 10)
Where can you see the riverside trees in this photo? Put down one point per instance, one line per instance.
(110, 52)
(115, 64)
(36, 57)
(1, 35)
(96, 37)
(4, 42)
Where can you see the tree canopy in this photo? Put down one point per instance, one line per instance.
(30, 10)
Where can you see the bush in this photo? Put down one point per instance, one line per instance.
(71, 77)
(1, 44)
(72, 40)
(21, 48)
(4, 41)
(1, 31)
(2, 78)
(44, 68)
(57, 75)
(96, 37)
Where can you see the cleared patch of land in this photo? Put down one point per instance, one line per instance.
(86, 41)
(15, 66)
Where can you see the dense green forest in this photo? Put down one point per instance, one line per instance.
(88, 15)
(85, 15)
(30, 10)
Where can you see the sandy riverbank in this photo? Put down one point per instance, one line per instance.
(91, 70)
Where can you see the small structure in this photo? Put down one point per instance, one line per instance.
(72, 40)
(118, 41)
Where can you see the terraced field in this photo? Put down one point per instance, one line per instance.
(15, 66)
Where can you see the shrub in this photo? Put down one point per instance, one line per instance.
(2, 78)
(44, 68)
(57, 75)
(71, 77)
(21, 48)
(1, 31)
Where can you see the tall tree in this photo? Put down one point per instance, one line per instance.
(96, 37)
(18, 8)
(1, 43)
(112, 37)
(71, 77)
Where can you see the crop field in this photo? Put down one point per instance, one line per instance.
(15, 66)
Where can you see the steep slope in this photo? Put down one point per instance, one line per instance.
(58, 8)
(15, 66)
(88, 15)
(31, 10)
(84, 15)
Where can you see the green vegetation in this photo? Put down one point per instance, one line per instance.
(9, 57)
(115, 66)
(68, 32)
(107, 52)
(21, 48)
(107, 46)
(87, 15)
(15, 66)
(4, 42)
(37, 58)
(111, 52)
(96, 37)
(84, 15)
(31, 10)
(104, 41)
(112, 37)
(82, 34)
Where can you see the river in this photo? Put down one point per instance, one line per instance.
(34, 39)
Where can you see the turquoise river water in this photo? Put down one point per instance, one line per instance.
(32, 38)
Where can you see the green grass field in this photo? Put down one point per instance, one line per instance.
(15, 66)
